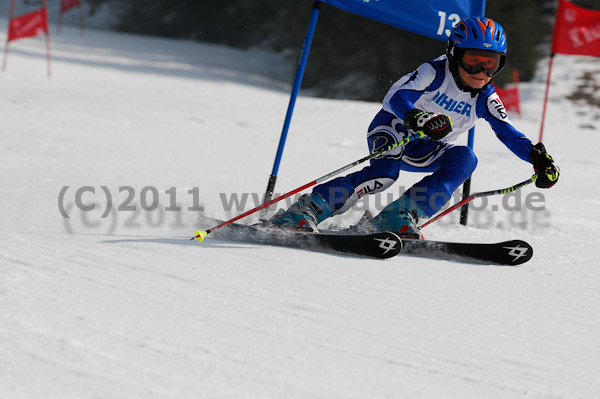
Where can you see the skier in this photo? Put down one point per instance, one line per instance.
(443, 98)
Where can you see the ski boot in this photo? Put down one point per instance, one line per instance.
(400, 217)
(306, 214)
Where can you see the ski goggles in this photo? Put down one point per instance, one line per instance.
(475, 61)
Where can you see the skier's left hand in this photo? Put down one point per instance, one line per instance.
(543, 165)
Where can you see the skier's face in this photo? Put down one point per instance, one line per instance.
(476, 67)
(476, 81)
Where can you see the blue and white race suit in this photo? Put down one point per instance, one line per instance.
(431, 88)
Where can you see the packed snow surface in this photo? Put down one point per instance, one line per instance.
(118, 303)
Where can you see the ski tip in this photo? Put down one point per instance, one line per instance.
(517, 252)
(200, 235)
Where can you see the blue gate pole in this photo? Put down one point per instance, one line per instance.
(464, 211)
(295, 89)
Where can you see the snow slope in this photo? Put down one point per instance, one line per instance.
(124, 306)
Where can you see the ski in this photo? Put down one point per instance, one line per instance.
(381, 245)
(512, 253)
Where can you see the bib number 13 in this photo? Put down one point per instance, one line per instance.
(452, 18)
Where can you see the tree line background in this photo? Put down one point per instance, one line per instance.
(351, 57)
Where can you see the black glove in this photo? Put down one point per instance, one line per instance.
(543, 164)
(436, 126)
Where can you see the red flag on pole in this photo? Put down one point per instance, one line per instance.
(32, 24)
(576, 30)
(66, 5)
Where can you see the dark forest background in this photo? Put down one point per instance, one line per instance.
(351, 56)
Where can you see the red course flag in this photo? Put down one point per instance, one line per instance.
(576, 30)
(33, 24)
(66, 5)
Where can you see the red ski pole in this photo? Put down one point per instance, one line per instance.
(201, 234)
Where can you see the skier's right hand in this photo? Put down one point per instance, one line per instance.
(436, 126)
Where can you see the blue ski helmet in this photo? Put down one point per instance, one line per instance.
(477, 33)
